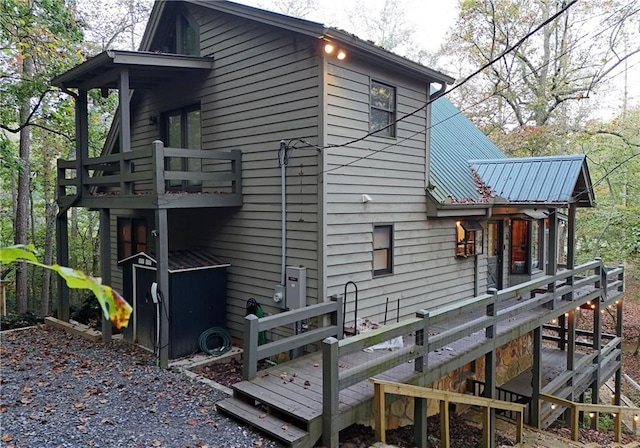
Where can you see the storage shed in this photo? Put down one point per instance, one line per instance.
(198, 300)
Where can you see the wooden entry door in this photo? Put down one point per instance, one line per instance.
(495, 252)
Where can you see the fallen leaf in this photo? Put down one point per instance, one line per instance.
(192, 421)
(153, 410)
(262, 416)
(285, 427)
(258, 443)
(316, 365)
(27, 389)
(26, 400)
(7, 438)
(78, 405)
(307, 383)
(156, 443)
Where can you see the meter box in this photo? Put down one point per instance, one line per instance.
(296, 291)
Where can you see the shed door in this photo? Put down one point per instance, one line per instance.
(145, 309)
(494, 254)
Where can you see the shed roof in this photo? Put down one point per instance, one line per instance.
(552, 180)
(182, 260)
(454, 141)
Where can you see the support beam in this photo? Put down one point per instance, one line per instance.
(162, 278)
(489, 429)
(125, 127)
(105, 264)
(82, 142)
(62, 258)
(536, 380)
(420, 404)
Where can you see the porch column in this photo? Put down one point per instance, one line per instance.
(571, 235)
(162, 278)
(62, 258)
(552, 252)
(489, 433)
(82, 142)
(105, 263)
(618, 376)
(125, 128)
(536, 379)
(571, 353)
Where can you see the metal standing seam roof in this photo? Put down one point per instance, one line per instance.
(454, 141)
(184, 260)
(554, 180)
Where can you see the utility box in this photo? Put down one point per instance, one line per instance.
(296, 294)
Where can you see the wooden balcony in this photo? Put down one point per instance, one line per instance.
(139, 179)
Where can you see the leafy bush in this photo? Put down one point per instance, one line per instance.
(87, 312)
(13, 320)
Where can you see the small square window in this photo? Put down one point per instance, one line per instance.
(382, 250)
(468, 238)
(383, 109)
(132, 237)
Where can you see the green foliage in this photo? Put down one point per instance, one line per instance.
(12, 320)
(113, 305)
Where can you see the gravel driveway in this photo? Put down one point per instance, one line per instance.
(59, 390)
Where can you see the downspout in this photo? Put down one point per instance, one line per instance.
(282, 160)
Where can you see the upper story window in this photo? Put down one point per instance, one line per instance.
(183, 37)
(182, 129)
(132, 236)
(382, 249)
(383, 109)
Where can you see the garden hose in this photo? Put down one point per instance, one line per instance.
(215, 333)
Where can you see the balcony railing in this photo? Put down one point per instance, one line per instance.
(141, 179)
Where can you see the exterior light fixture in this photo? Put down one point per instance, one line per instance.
(635, 418)
(553, 406)
(328, 48)
(592, 414)
(341, 55)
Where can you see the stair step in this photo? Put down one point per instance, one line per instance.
(257, 418)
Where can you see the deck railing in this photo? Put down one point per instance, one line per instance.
(381, 387)
(503, 395)
(551, 296)
(143, 172)
(253, 326)
(593, 409)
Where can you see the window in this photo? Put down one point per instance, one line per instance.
(188, 42)
(182, 130)
(526, 241)
(132, 236)
(383, 109)
(468, 238)
(382, 250)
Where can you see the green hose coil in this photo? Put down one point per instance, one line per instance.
(213, 333)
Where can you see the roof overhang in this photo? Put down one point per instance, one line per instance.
(145, 69)
(357, 46)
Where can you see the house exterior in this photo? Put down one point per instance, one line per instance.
(311, 162)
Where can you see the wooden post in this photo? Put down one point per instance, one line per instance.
(158, 166)
(250, 355)
(236, 169)
(82, 142)
(571, 235)
(105, 264)
(337, 318)
(536, 380)
(125, 128)
(562, 332)
(420, 365)
(62, 257)
(379, 411)
(490, 371)
(444, 424)
(330, 392)
(571, 349)
(617, 426)
(618, 375)
(575, 429)
(162, 275)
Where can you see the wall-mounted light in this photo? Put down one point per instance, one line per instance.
(331, 49)
(366, 198)
(153, 120)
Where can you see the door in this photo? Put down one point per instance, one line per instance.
(144, 308)
(494, 254)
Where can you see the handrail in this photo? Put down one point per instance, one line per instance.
(566, 297)
(595, 409)
(382, 387)
(254, 325)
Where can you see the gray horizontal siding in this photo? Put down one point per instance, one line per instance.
(426, 273)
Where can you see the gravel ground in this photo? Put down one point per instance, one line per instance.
(59, 390)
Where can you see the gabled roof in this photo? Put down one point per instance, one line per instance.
(454, 141)
(553, 180)
(362, 48)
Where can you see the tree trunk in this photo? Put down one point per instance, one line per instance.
(22, 209)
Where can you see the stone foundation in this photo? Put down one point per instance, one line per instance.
(511, 360)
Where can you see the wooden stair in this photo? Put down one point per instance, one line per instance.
(286, 420)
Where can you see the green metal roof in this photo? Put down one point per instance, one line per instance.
(454, 141)
(553, 180)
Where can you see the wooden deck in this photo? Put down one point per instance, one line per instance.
(289, 401)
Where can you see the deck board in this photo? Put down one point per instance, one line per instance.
(355, 402)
